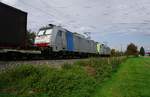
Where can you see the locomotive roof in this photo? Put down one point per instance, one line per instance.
(79, 35)
(45, 28)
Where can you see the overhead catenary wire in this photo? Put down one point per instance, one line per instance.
(54, 14)
(36, 25)
(60, 13)
(39, 9)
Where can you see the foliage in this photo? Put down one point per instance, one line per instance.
(102, 66)
(78, 80)
(113, 52)
(132, 50)
(30, 36)
(120, 53)
(30, 81)
(116, 53)
(142, 51)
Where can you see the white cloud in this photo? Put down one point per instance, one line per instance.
(11, 2)
(102, 17)
(80, 15)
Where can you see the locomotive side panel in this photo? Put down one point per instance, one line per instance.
(70, 45)
(83, 45)
(76, 43)
(94, 47)
(59, 39)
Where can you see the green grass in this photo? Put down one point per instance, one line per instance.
(131, 80)
(78, 80)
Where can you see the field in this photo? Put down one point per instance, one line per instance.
(131, 80)
(95, 77)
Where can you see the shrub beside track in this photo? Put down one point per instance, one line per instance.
(78, 80)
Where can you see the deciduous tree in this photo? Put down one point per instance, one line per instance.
(113, 52)
(132, 49)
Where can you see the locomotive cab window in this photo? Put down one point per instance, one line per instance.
(48, 32)
(45, 32)
(41, 32)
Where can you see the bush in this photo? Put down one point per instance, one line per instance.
(47, 82)
(78, 80)
(102, 66)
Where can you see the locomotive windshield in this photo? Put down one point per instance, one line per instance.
(41, 32)
(45, 32)
(48, 32)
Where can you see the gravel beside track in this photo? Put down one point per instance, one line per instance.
(51, 63)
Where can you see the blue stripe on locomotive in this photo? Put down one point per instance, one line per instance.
(70, 44)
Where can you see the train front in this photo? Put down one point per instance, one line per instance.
(43, 38)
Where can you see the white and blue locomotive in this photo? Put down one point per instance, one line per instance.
(56, 40)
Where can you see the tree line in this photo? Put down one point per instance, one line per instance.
(131, 50)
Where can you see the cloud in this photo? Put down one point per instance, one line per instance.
(11, 2)
(101, 17)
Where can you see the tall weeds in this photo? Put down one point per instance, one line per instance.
(77, 80)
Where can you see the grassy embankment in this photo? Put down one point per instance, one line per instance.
(78, 80)
(131, 80)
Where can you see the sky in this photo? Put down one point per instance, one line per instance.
(115, 22)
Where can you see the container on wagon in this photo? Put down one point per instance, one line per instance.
(13, 25)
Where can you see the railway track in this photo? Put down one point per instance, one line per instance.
(52, 63)
(10, 54)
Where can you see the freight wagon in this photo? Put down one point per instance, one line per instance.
(13, 26)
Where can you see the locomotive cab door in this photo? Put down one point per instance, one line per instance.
(61, 41)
